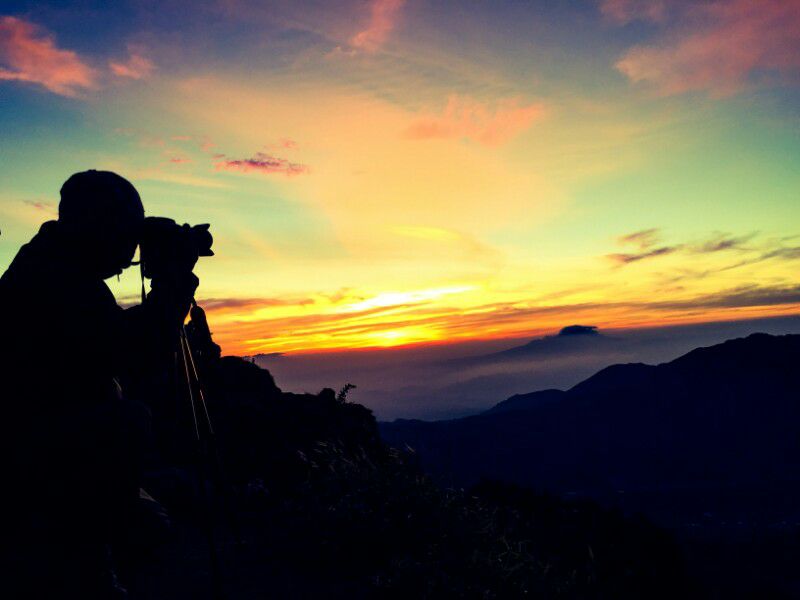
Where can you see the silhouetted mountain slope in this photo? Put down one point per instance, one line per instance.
(705, 444)
(526, 401)
(716, 417)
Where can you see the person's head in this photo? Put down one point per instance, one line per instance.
(102, 215)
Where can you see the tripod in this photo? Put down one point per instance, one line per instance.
(206, 452)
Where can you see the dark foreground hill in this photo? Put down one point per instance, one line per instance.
(706, 444)
(329, 511)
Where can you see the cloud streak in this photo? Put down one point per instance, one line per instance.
(738, 297)
(137, 66)
(43, 206)
(263, 163)
(464, 117)
(624, 259)
(643, 239)
(785, 253)
(722, 242)
(623, 12)
(28, 53)
(383, 15)
(216, 304)
(720, 47)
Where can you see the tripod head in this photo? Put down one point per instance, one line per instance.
(200, 335)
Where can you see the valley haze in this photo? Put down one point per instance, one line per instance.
(447, 381)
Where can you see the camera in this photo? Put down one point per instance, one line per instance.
(165, 246)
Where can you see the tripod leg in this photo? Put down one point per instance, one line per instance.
(200, 450)
(211, 449)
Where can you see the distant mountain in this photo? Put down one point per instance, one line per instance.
(714, 420)
(569, 340)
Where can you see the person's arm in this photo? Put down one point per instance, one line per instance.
(149, 332)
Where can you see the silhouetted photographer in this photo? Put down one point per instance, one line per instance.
(71, 440)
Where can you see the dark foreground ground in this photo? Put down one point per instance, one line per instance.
(261, 568)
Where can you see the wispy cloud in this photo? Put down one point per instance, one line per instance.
(143, 139)
(47, 207)
(282, 144)
(383, 14)
(643, 239)
(137, 65)
(217, 304)
(623, 12)
(719, 47)
(786, 253)
(646, 240)
(465, 117)
(28, 53)
(721, 241)
(738, 297)
(262, 163)
(624, 259)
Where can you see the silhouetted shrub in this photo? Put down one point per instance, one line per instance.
(389, 523)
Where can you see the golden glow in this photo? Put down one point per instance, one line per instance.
(402, 298)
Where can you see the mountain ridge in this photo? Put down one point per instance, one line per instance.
(687, 405)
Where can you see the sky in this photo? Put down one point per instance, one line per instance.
(390, 172)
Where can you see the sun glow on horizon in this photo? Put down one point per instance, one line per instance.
(388, 299)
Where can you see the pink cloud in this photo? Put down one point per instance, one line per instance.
(383, 14)
(720, 47)
(262, 163)
(28, 53)
(282, 144)
(467, 118)
(625, 11)
(180, 161)
(136, 67)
